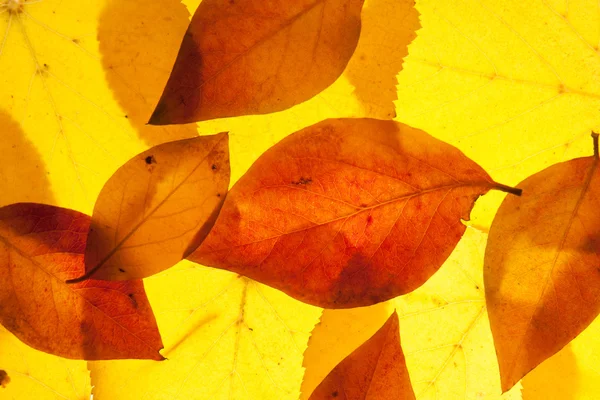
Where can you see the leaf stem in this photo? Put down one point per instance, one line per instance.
(595, 140)
(508, 189)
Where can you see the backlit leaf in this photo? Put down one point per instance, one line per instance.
(40, 247)
(226, 337)
(376, 370)
(253, 57)
(542, 273)
(513, 84)
(157, 208)
(26, 373)
(346, 212)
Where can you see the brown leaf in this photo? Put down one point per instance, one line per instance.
(347, 212)
(40, 247)
(243, 57)
(542, 273)
(157, 208)
(376, 370)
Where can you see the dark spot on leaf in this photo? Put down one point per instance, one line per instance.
(251, 329)
(218, 194)
(369, 220)
(302, 181)
(214, 167)
(76, 41)
(121, 269)
(127, 116)
(150, 160)
(334, 394)
(477, 287)
(133, 300)
(4, 378)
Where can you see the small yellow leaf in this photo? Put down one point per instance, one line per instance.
(33, 374)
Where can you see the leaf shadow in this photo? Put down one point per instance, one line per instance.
(23, 175)
(139, 41)
(388, 27)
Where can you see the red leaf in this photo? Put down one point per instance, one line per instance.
(41, 246)
(241, 57)
(374, 371)
(347, 212)
(542, 265)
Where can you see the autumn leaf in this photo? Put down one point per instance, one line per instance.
(445, 333)
(376, 370)
(157, 208)
(26, 373)
(347, 212)
(512, 84)
(53, 85)
(41, 247)
(253, 57)
(226, 337)
(541, 265)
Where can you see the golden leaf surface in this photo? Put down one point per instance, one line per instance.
(512, 84)
(33, 374)
(225, 336)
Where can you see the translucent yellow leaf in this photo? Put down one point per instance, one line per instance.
(513, 84)
(445, 332)
(55, 77)
(33, 374)
(225, 337)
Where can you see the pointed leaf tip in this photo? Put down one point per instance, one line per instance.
(376, 370)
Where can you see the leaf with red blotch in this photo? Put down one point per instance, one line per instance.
(157, 208)
(41, 246)
(376, 370)
(542, 274)
(254, 57)
(347, 212)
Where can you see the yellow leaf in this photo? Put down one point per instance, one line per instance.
(513, 84)
(225, 336)
(33, 374)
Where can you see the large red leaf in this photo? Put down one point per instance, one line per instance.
(41, 246)
(374, 371)
(242, 57)
(542, 265)
(347, 212)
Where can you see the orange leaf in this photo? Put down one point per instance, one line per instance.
(347, 212)
(40, 247)
(376, 370)
(542, 273)
(157, 208)
(243, 57)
